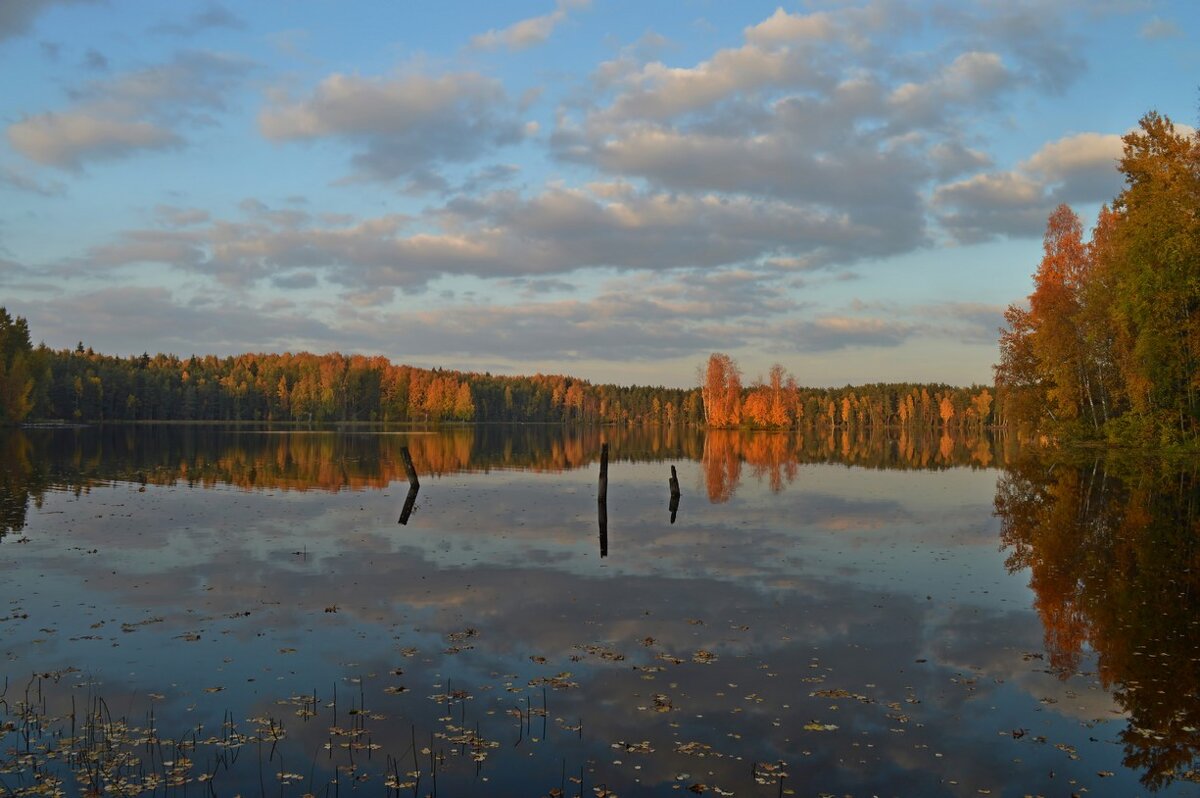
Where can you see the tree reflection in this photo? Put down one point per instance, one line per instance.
(20, 480)
(776, 456)
(1114, 562)
(329, 460)
(361, 459)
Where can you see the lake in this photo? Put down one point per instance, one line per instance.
(238, 611)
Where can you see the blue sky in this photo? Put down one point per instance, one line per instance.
(607, 189)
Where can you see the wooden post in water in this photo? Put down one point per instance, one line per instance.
(409, 467)
(602, 500)
(674, 504)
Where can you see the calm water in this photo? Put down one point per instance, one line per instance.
(238, 611)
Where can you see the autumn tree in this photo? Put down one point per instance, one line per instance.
(1111, 339)
(1154, 263)
(721, 387)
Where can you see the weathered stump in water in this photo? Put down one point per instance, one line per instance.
(602, 500)
(674, 484)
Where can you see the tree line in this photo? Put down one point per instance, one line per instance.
(86, 386)
(777, 402)
(82, 385)
(1108, 346)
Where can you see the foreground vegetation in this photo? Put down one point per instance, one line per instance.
(1109, 345)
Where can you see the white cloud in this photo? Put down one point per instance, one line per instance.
(503, 234)
(527, 32)
(67, 139)
(401, 125)
(136, 111)
(972, 78)
(782, 27)
(656, 91)
(1078, 168)
(822, 112)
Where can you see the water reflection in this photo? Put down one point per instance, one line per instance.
(410, 502)
(1113, 553)
(363, 459)
(856, 628)
(22, 480)
(78, 459)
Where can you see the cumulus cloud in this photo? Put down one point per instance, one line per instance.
(821, 112)
(1041, 43)
(500, 234)
(527, 32)
(1079, 168)
(69, 138)
(402, 124)
(972, 78)
(782, 27)
(129, 113)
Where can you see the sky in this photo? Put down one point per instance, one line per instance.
(601, 188)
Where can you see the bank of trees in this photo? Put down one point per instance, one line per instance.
(82, 385)
(1109, 343)
(777, 402)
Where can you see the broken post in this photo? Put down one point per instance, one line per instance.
(674, 504)
(409, 467)
(602, 500)
(410, 501)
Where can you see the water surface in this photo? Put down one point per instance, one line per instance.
(238, 610)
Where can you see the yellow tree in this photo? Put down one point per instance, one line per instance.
(721, 388)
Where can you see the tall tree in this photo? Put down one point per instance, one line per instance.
(1155, 266)
(16, 368)
(721, 387)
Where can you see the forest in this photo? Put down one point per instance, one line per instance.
(1108, 346)
(85, 386)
